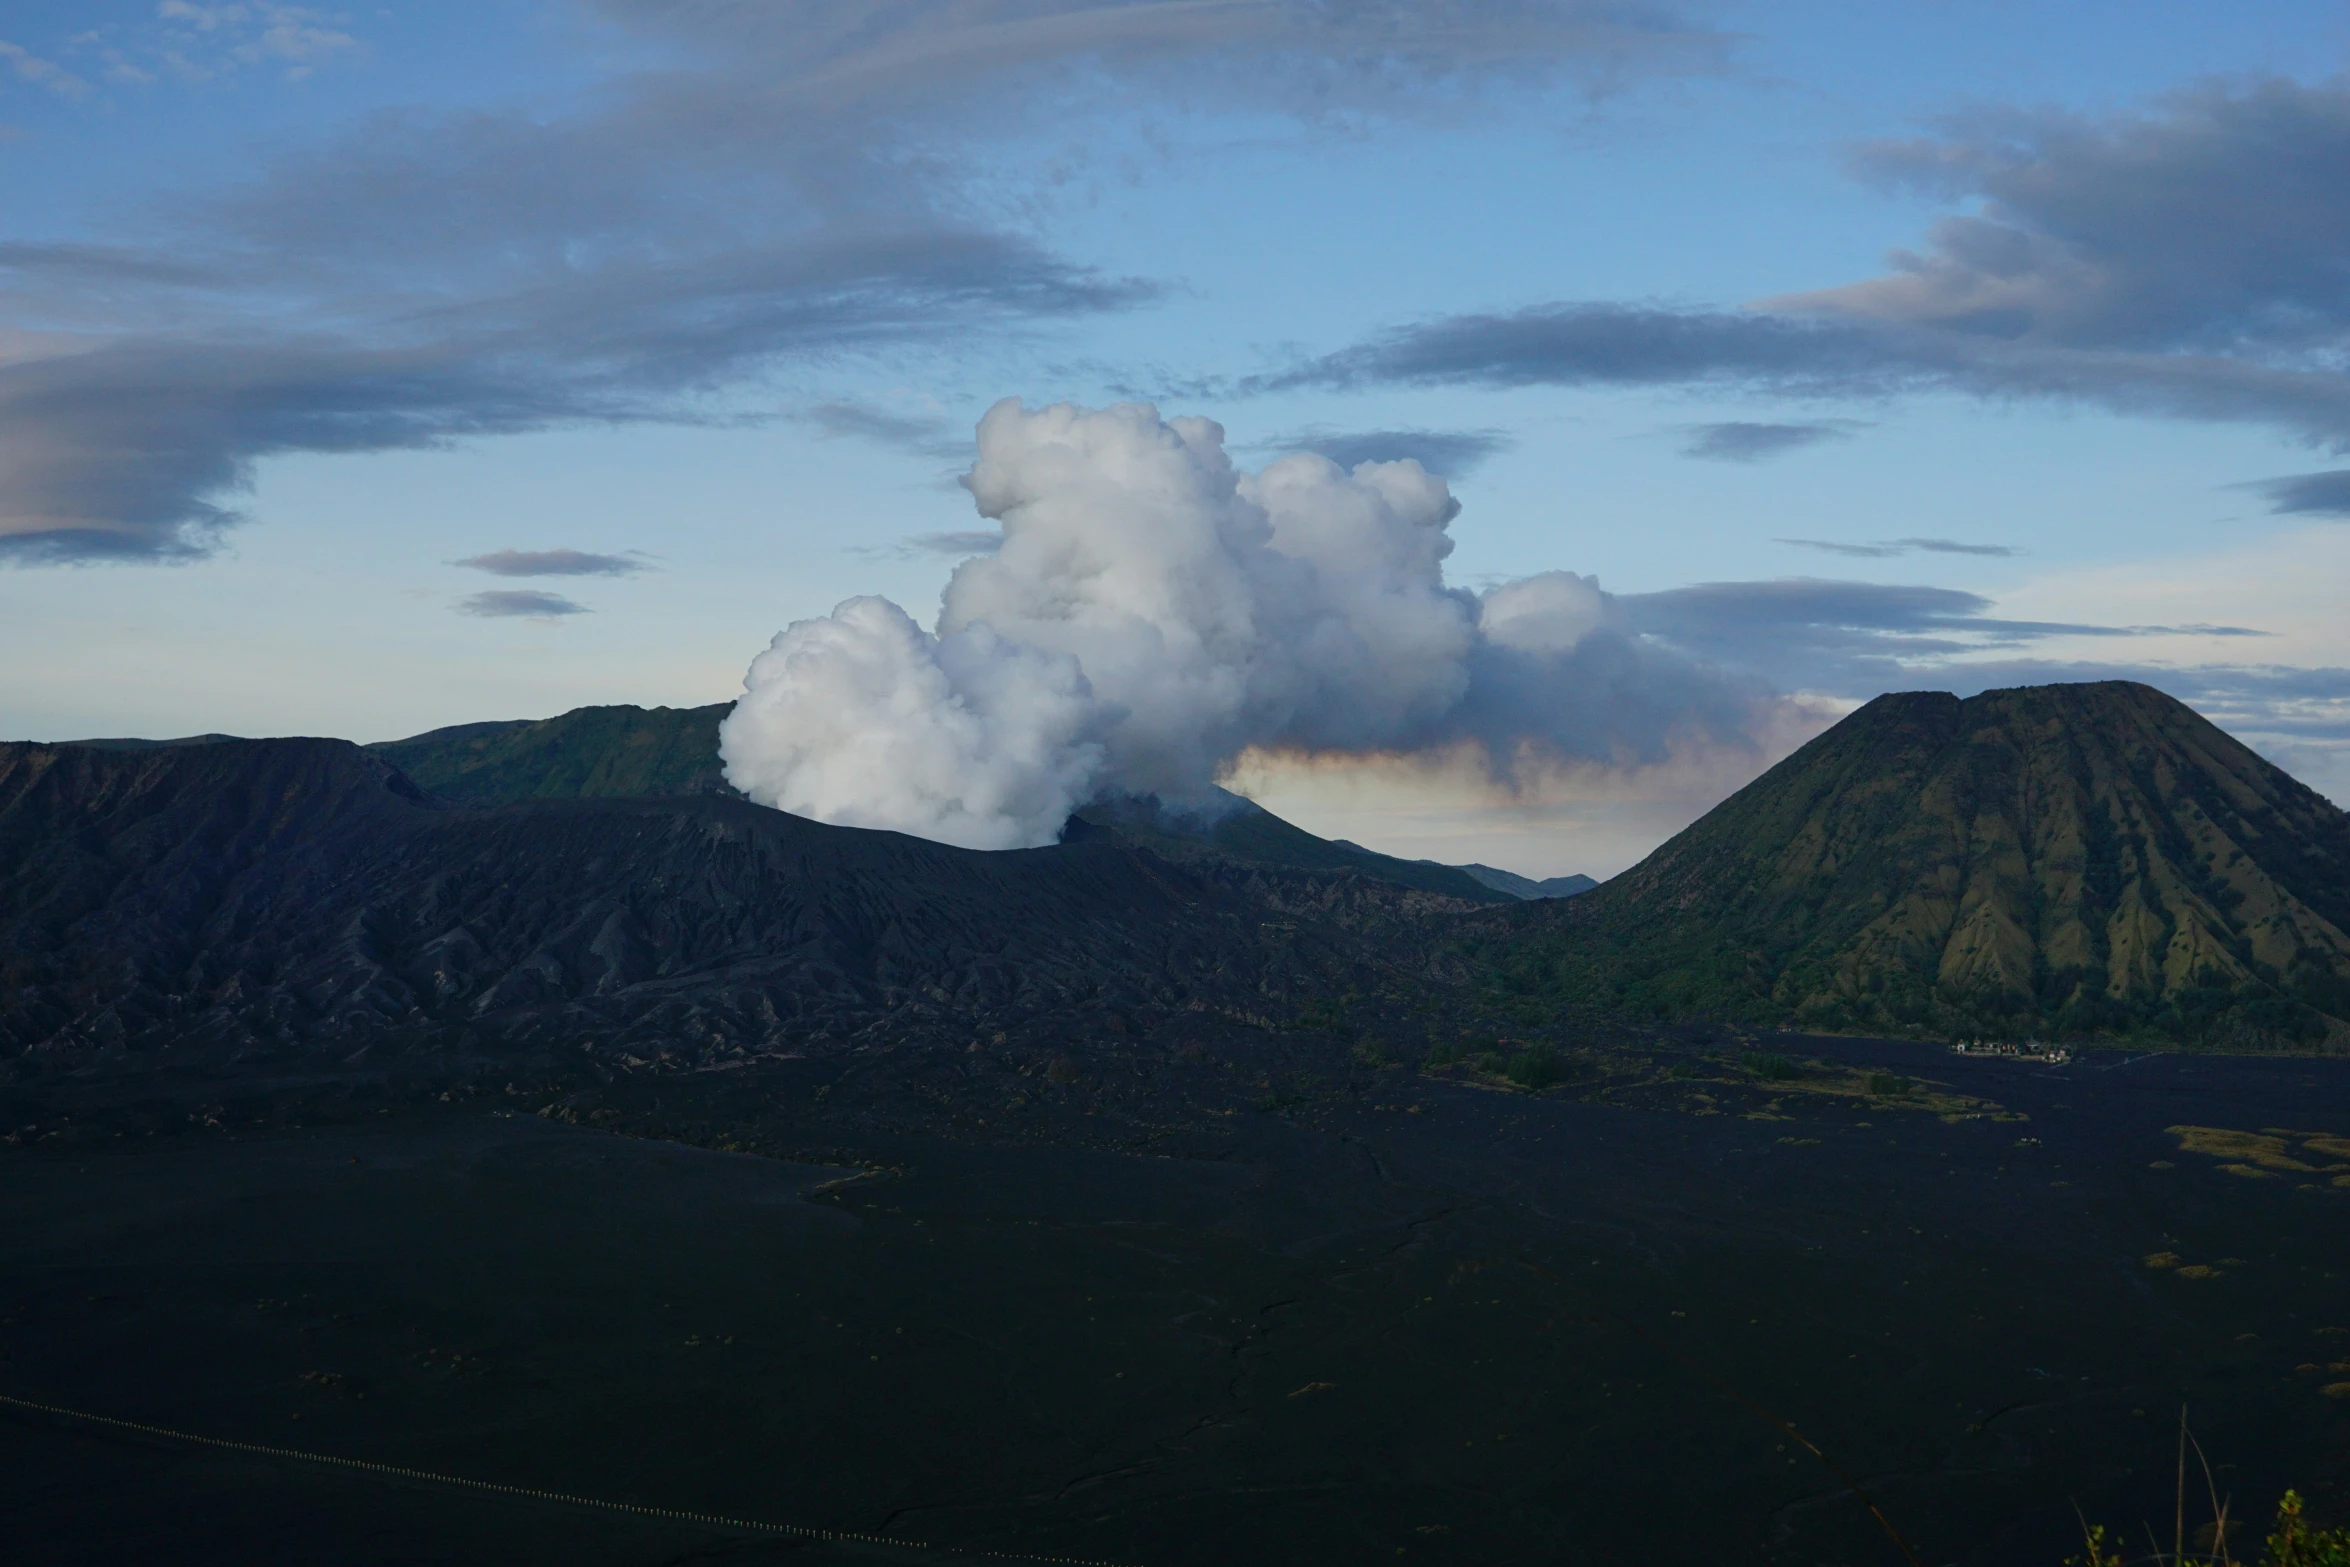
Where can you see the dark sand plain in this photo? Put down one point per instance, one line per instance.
(1377, 1316)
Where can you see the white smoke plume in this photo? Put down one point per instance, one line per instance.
(1153, 612)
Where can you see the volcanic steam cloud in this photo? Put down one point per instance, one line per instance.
(1153, 611)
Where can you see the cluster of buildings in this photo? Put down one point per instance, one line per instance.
(2029, 1050)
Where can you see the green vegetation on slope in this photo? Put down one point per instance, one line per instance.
(2073, 861)
(587, 753)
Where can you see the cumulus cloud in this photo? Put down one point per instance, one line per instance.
(864, 719)
(1743, 441)
(525, 603)
(1153, 611)
(554, 563)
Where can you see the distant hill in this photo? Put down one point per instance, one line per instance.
(1526, 886)
(2075, 860)
(589, 753)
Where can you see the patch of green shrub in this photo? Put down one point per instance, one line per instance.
(2295, 1544)
(1886, 1085)
(1773, 1069)
(1536, 1068)
(2291, 1544)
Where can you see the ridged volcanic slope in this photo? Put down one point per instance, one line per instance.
(259, 897)
(2079, 859)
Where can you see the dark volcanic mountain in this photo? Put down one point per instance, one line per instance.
(288, 897)
(2074, 859)
(1527, 887)
(634, 753)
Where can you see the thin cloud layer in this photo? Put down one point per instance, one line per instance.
(136, 448)
(925, 435)
(1601, 344)
(2188, 262)
(792, 184)
(1310, 57)
(973, 541)
(2218, 222)
(527, 603)
(1453, 453)
(1883, 549)
(1739, 440)
(1857, 638)
(553, 563)
(2309, 494)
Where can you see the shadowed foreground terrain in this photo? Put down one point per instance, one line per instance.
(1198, 1297)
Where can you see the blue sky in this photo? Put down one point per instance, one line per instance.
(301, 306)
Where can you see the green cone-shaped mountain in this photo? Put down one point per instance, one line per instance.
(2071, 860)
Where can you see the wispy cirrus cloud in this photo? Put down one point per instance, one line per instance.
(956, 544)
(1882, 549)
(923, 434)
(26, 66)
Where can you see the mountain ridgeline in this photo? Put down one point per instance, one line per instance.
(2076, 861)
(589, 753)
(636, 753)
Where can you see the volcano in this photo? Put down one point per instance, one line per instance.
(2078, 860)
